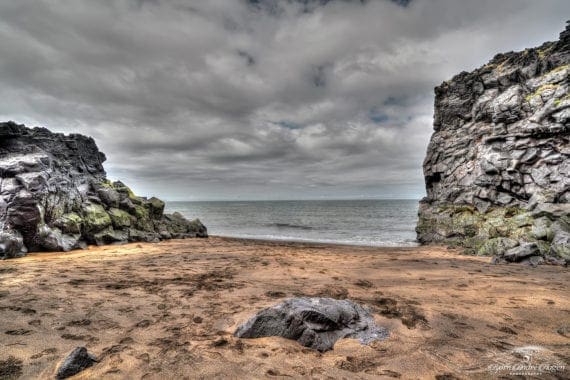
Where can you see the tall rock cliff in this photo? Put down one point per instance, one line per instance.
(54, 196)
(497, 170)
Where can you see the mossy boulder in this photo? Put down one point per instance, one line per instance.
(119, 218)
(541, 229)
(156, 207)
(108, 195)
(198, 228)
(496, 246)
(146, 236)
(560, 244)
(70, 223)
(122, 189)
(143, 220)
(110, 236)
(127, 205)
(52, 239)
(95, 218)
(179, 227)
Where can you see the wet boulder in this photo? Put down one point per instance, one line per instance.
(78, 360)
(316, 323)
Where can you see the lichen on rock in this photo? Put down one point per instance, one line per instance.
(497, 169)
(54, 196)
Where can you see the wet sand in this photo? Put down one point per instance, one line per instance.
(168, 310)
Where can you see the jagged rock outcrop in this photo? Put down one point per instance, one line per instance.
(497, 169)
(54, 196)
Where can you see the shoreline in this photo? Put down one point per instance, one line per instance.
(169, 309)
(309, 241)
(242, 240)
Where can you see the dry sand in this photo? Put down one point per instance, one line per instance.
(168, 310)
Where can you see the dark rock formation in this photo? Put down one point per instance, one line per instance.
(78, 360)
(497, 169)
(314, 322)
(54, 196)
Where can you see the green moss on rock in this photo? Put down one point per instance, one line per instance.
(156, 207)
(496, 246)
(110, 236)
(494, 232)
(95, 218)
(120, 218)
(70, 223)
(143, 220)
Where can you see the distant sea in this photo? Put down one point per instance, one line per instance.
(360, 222)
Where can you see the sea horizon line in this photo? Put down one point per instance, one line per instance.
(294, 200)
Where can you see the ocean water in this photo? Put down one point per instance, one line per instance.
(359, 222)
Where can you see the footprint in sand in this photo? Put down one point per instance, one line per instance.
(76, 281)
(274, 372)
(364, 284)
(144, 357)
(8, 270)
(502, 345)
(19, 332)
(23, 310)
(48, 351)
(393, 374)
(446, 376)
(508, 330)
(275, 294)
(197, 319)
(86, 338)
(81, 322)
(127, 340)
(11, 368)
(564, 331)
(463, 325)
(143, 324)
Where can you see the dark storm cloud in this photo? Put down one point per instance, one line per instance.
(254, 99)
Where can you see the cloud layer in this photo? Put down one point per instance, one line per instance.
(258, 99)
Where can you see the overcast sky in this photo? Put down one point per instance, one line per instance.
(265, 99)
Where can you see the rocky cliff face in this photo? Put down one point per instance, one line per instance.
(54, 196)
(497, 169)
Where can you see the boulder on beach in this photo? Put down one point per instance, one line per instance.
(55, 196)
(316, 323)
(497, 169)
(78, 360)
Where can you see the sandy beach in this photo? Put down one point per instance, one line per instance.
(168, 310)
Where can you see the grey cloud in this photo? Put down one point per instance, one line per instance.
(246, 99)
